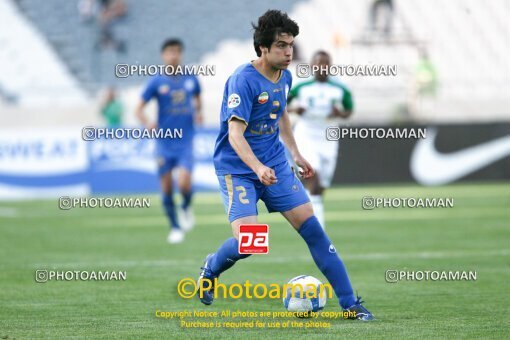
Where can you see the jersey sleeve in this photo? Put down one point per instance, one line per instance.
(347, 101)
(293, 93)
(150, 90)
(239, 99)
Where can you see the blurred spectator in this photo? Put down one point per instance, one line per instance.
(87, 10)
(423, 87)
(112, 109)
(426, 76)
(381, 17)
(110, 13)
(112, 9)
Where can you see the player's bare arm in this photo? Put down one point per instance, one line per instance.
(199, 118)
(297, 110)
(288, 139)
(240, 145)
(141, 116)
(336, 113)
(139, 112)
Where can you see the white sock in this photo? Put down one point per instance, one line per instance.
(318, 209)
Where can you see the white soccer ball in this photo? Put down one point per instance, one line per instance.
(305, 293)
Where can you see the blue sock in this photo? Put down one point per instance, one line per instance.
(226, 256)
(186, 199)
(325, 257)
(168, 204)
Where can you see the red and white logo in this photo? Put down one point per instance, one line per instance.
(263, 97)
(253, 239)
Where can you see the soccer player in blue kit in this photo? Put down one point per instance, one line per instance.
(178, 98)
(250, 160)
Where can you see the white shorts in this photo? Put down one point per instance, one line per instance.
(318, 151)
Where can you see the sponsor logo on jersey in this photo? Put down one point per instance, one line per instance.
(263, 129)
(234, 100)
(274, 110)
(163, 89)
(263, 97)
(332, 249)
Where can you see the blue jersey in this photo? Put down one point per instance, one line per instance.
(254, 99)
(175, 109)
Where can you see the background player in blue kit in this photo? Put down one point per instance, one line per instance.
(250, 160)
(178, 98)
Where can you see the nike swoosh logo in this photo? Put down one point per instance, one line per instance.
(429, 167)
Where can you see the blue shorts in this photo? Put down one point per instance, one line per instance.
(241, 193)
(182, 158)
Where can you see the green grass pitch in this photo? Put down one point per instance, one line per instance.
(474, 235)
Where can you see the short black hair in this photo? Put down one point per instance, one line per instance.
(172, 42)
(271, 24)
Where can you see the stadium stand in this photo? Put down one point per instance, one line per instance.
(341, 28)
(31, 71)
(145, 26)
(467, 42)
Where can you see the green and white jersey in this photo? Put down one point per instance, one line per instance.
(318, 99)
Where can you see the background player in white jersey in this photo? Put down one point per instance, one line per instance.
(320, 103)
